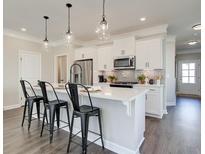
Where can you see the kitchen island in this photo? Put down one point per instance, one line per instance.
(123, 116)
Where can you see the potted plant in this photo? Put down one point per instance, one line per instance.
(112, 78)
(141, 78)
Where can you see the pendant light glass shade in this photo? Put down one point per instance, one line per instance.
(69, 35)
(45, 41)
(103, 28)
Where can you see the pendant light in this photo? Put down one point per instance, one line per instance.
(69, 33)
(103, 29)
(46, 38)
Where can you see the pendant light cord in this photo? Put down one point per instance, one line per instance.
(103, 8)
(68, 19)
(46, 29)
(46, 21)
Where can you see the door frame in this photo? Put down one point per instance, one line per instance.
(20, 52)
(56, 67)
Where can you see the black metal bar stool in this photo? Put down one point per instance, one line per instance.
(83, 112)
(29, 101)
(53, 106)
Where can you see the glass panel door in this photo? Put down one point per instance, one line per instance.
(188, 73)
(188, 77)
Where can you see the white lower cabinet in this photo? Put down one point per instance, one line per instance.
(154, 102)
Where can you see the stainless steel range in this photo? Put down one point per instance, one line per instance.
(123, 84)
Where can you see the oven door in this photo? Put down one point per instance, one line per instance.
(122, 63)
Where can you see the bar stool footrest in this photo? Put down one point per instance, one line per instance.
(73, 136)
(47, 125)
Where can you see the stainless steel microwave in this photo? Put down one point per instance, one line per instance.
(124, 62)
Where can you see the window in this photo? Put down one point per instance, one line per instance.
(188, 73)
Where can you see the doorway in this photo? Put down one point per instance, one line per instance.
(29, 69)
(61, 71)
(189, 77)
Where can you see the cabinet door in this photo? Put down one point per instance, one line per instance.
(141, 55)
(105, 58)
(90, 52)
(149, 54)
(124, 47)
(85, 53)
(153, 103)
(79, 54)
(155, 58)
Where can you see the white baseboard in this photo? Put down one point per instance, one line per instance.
(9, 107)
(165, 111)
(171, 103)
(153, 115)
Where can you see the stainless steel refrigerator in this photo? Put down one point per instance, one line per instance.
(82, 72)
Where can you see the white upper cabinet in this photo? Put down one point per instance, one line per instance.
(124, 47)
(88, 53)
(85, 53)
(105, 58)
(149, 54)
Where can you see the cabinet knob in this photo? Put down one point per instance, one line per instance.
(83, 56)
(105, 66)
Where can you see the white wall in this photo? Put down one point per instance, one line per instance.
(188, 51)
(170, 80)
(11, 48)
(188, 56)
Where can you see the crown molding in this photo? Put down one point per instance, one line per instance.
(156, 30)
(20, 35)
(63, 42)
(26, 37)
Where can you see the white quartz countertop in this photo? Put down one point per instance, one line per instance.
(111, 93)
(148, 85)
(135, 85)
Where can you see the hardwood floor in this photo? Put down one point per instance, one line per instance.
(179, 132)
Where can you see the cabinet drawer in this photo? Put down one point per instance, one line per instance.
(154, 90)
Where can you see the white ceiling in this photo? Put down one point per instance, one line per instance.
(123, 16)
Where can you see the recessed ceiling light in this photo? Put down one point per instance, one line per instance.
(197, 27)
(192, 42)
(142, 19)
(23, 29)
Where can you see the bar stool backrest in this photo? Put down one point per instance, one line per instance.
(23, 85)
(73, 94)
(44, 85)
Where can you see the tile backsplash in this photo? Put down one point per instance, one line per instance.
(131, 75)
